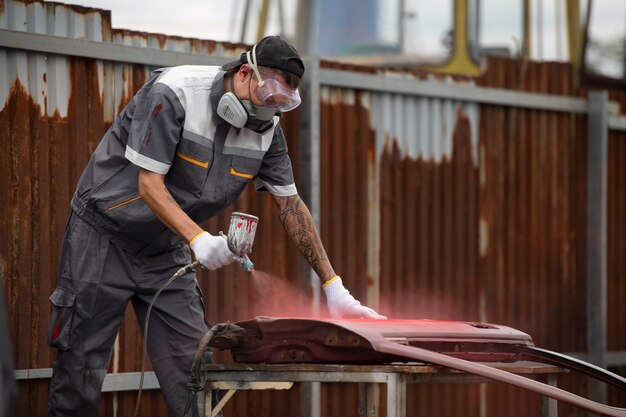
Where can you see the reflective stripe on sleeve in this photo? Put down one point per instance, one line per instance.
(145, 162)
(277, 190)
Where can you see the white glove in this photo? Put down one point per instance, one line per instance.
(211, 251)
(342, 304)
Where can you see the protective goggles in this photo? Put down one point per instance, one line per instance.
(276, 95)
(270, 91)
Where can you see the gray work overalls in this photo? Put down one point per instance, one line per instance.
(115, 250)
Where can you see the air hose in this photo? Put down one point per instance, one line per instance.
(227, 331)
(182, 271)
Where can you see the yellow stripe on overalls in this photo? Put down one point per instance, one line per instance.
(193, 161)
(124, 203)
(241, 174)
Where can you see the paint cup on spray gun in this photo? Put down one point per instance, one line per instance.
(240, 238)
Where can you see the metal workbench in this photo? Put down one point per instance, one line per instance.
(229, 378)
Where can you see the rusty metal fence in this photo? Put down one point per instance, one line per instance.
(499, 198)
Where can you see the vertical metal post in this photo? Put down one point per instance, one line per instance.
(372, 295)
(539, 30)
(597, 161)
(306, 20)
(392, 395)
(574, 31)
(396, 395)
(309, 186)
(368, 395)
(265, 5)
(309, 189)
(244, 24)
(527, 28)
(401, 25)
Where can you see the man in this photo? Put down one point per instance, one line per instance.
(181, 151)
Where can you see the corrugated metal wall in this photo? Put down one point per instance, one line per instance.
(482, 217)
(533, 201)
(482, 211)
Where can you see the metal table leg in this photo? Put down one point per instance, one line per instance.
(396, 396)
(367, 399)
(549, 406)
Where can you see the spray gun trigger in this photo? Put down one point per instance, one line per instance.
(227, 242)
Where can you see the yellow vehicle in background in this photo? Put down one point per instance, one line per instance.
(451, 36)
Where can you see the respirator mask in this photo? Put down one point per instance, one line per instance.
(272, 94)
(243, 113)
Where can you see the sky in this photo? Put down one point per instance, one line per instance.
(426, 22)
(219, 20)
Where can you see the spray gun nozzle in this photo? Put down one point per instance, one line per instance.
(245, 262)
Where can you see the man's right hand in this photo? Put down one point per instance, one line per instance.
(211, 251)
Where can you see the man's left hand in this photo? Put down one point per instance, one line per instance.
(342, 304)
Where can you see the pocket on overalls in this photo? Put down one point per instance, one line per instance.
(190, 168)
(63, 302)
(242, 171)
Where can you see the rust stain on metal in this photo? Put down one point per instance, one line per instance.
(429, 249)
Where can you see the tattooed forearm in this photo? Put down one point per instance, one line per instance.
(169, 196)
(297, 221)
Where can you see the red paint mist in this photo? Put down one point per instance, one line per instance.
(428, 304)
(275, 296)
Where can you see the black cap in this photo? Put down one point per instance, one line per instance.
(273, 52)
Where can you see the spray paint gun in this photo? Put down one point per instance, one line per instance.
(240, 238)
